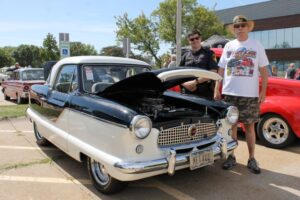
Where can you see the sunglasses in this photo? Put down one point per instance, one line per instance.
(239, 25)
(195, 38)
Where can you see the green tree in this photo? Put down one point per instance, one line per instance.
(5, 58)
(81, 49)
(50, 48)
(112, 51)
(28, 55)
(194, 16)
(142, 32)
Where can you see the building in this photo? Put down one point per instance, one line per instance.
(277, 27)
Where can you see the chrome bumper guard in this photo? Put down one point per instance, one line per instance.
(220, 150)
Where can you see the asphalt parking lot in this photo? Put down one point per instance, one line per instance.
(30, 172)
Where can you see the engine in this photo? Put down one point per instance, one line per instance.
(157, 108)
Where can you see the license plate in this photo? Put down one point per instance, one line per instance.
(201, 158)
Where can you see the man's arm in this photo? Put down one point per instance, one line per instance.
(217, 94)
(264, 83)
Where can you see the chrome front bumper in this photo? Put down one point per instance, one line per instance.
(221, 149)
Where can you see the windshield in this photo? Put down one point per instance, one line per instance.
(98, 77)
(30, 75)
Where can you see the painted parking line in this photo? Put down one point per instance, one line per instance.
(170, 190)
(287, 189)
(45, 180)
(27, 148)
(157, 184)
(14, 131)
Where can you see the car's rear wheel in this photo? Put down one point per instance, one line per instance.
(275, 132)
(101, 180)
(40, 140)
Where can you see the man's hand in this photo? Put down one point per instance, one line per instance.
(262, 97)
(264, 83)
(217, 95)
(190, 85)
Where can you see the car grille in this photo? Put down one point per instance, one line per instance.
(180, 134)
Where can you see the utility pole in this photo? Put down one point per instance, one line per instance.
(178, 32)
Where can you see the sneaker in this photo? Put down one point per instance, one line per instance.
(253, 166)
(229, 163)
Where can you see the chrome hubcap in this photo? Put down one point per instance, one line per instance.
(275, 130)
(99, 172)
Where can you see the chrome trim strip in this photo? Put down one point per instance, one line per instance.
(100, 119)
(202, 142)
(163, 163)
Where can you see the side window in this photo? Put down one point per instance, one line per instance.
(66, 80)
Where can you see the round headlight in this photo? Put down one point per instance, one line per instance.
(141, 126)
(232, 115)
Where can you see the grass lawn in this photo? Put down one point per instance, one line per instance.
(13, 111)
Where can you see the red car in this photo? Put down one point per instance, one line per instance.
(19, 83)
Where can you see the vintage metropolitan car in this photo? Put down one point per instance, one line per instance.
(120, 118)
(19, 83)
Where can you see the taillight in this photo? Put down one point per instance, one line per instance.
(26, 88)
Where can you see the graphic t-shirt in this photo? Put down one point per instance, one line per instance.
(241, 61)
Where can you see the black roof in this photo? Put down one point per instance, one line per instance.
(263, 10)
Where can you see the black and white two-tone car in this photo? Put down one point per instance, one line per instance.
(120, 118)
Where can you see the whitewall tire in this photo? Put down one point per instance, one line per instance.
(40, 140)
(101, 180)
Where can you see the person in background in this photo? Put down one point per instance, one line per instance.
(242, 60)
(16, 67)
(167, 60)
(274, 70)
(297, 75)
(201, 58)
(290, 72)
(173, 61)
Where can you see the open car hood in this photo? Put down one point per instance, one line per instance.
(158, 81)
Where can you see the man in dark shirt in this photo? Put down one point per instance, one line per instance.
(201, 58)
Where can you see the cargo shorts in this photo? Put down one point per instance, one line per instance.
(248, 108)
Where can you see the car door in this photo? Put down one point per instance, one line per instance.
(58, 100)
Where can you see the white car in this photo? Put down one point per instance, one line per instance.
(120, 118)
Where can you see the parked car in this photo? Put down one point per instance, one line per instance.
(19, 83)
(120, 118)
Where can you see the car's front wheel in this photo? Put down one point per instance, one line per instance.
(274, 131)
(101, 180)
(40, 140)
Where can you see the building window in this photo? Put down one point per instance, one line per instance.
(296, 37)
(278, 38)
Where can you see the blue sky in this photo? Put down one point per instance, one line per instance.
(88, 21)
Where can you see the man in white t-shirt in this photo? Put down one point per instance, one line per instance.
(241, 63)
